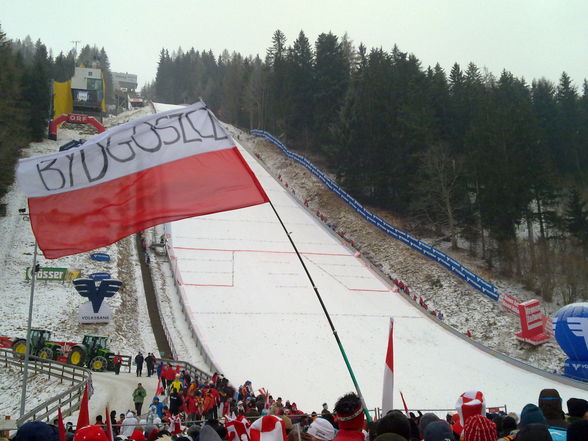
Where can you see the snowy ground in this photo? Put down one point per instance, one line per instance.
(116, 392)
(41, 388)
(256, 309)
(463, 307)
(55, 303)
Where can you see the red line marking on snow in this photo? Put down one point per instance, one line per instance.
(263, 251)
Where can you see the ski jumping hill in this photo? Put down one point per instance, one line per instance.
(253, 306)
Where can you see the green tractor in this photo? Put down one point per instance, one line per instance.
(41, 345)
(92, 352)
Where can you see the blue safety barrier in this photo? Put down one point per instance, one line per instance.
(427, 250)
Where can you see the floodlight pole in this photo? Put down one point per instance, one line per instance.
(28, 345)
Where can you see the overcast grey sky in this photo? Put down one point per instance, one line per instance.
(530, 38)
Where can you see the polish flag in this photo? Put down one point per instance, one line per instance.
(268, 428)
(388, 392)
(237, 429)
(156, 169)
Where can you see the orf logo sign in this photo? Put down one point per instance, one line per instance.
(77, 118)
(571, 332)
(87, 288)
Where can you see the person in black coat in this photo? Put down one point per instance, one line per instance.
(150, 361)
(139, 362)
(175, 402)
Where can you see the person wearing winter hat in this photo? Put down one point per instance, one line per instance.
(90, 433)
(138, 434)
(577, 409)
(128, 425)
(350, 418)
(551, 406)
(320, 429)
(479, 428)
(394, 422)
(509, 429)
(578, 431)
(194, 431)
(37, 431)
(438, 431)
(531, 414)
(534, 432)
(426, 419)
(468, 404)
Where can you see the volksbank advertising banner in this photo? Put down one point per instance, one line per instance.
(54, 274)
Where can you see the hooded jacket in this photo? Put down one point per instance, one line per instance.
(128, 425)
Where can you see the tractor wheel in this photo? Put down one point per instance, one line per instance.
(46, 353)
(98, 364)
(19, 347)
(77, 356)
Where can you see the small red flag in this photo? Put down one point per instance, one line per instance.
(60, 425)
(159, 390)
(84, 415)
(404, 404)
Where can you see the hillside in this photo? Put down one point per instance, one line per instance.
(463, 307)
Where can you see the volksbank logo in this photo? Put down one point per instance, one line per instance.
(87, 288)
(579, 327)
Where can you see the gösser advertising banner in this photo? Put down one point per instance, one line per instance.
(54, 274)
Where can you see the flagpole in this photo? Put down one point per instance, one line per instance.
(316, 291)
(25, 373)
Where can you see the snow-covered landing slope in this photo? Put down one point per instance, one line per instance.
(258, 313)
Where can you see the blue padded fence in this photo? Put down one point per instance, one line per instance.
(450, 264)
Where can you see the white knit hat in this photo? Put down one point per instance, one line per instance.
(321, 429)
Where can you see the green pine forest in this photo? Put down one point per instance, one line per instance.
(491, 162)
(26, 74)
(490, 159)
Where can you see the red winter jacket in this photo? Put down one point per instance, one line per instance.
(169, 373)
(349, 435)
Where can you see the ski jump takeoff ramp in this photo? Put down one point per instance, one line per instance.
(257, 312)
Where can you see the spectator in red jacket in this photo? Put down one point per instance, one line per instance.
(168, 375)
(350, 417)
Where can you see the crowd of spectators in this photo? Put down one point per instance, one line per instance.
(216, 411)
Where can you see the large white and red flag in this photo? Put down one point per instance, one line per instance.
(268, 428)
(156, 169)
(237, 428)
(388, 392)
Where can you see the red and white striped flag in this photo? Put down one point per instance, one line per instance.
(238, 429)
(388, 392)
(156, 169)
